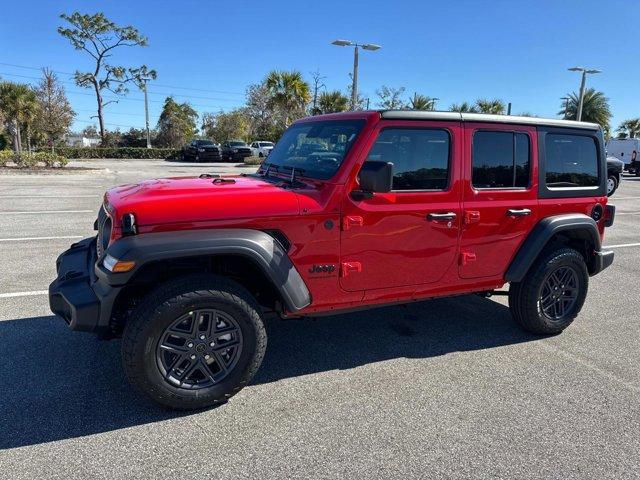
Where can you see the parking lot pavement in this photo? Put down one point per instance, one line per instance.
(443, 388)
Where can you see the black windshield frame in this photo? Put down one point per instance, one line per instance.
(314, 149)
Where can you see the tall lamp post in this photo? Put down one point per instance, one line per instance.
(365, 46)
(584, 71)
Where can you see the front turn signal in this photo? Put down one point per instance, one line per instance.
(117, 266)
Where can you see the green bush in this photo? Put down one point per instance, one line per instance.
(124, 152)
(5, 157)
(30, 160)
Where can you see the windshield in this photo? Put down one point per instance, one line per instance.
(206, 142)
(314, 149)
(237, 144)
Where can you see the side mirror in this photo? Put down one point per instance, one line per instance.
(374, 177)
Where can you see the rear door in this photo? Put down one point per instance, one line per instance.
(500, 205)
(408, 236)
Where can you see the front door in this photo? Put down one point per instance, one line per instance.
(408, 236)
(500, 205)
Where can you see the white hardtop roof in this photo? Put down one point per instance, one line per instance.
(483, 117)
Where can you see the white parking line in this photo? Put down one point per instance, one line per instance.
(23, 294)
(27, 239)
(40, 212)
(622, 245)
(627, 213)
(623, 198)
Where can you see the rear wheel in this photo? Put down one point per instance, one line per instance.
(194, 342)
(552, 293)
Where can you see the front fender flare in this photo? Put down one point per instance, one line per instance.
(265, 251)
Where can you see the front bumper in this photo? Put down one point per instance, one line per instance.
(77, 295)
(213, 155)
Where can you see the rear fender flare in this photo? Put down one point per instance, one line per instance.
(542, 233)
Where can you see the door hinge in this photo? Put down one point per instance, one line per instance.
(350, 267)
(352, 221)
(467, 257)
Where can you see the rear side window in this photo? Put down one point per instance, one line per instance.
(501, 160)
(420, 157)
(571, 161)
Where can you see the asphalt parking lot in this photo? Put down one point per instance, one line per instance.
(445, 388)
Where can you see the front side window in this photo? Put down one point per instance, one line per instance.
(571, 161)
(313, 149)
(500, 160)
(420, 157)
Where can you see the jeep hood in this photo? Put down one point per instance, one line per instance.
(193, 199)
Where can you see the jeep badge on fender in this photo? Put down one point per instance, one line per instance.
(184, 279)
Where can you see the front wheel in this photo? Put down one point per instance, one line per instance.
(194, 342)
(612, 184)
(552, 293)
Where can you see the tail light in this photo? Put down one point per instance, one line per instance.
(609, 215)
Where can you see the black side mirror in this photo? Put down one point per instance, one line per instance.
(374, 177)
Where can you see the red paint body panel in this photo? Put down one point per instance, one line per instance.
(384, 249)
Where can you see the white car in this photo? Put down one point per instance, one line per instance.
(626, 150)
(261, 148)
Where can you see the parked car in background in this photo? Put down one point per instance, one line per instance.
(235, 150)
(261, 148)
(614, 174)
(201, 151)
(626, 150)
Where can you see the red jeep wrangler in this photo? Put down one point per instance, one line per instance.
(349, 211)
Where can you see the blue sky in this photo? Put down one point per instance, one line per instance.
(518, 51)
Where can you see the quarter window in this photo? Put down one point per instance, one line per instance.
(571, 161)
(501, 160)
(420, 157)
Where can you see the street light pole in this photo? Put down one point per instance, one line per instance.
(354, 84)
(582, 85)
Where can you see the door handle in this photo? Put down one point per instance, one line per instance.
(518, 212)
(441, 217)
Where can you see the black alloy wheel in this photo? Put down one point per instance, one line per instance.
(559, 293)
(199, 349)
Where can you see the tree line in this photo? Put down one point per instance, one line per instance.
(42, 115)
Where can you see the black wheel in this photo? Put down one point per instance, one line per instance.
(612, 184)
(552, 293)
(183, 157)
(194, 342)
(260, 154)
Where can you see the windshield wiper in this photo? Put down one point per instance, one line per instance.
(294, 170)
(265, 173)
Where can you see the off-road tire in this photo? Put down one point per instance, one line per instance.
(524, 297)
(166, 303)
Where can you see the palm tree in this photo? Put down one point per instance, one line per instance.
(332, 102)
(289, 92)
(19, 104)
(595, 108)
(422, 102)
(494, 107)
(629, 128)
(465, 107)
